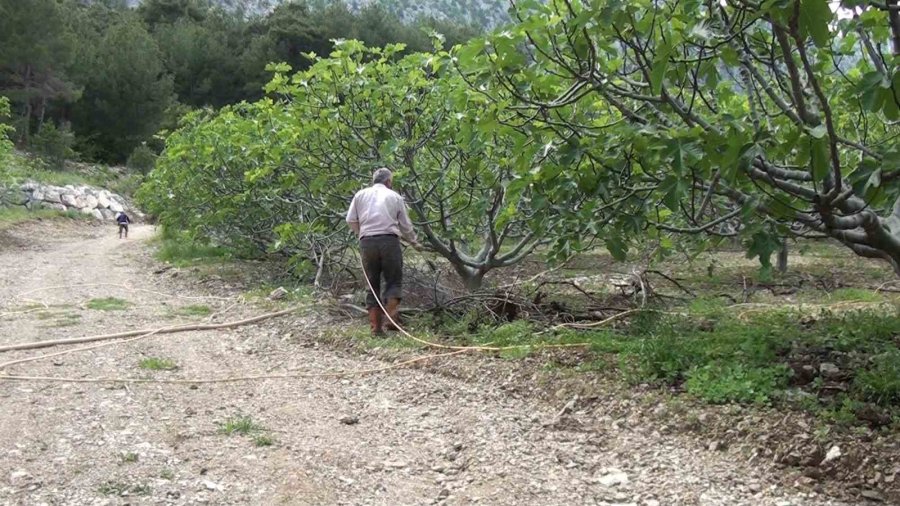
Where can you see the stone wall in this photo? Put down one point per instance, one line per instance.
(97, 202)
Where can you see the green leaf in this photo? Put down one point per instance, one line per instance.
(617, 247)
(660, 65)
(814, 18)
(818, 132)
(819, 158)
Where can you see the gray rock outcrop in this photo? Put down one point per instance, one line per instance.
(97, 202)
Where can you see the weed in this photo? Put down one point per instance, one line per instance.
(167, 474)
(119, 488)
(108, 304)
(157, 364)
(182, 250)
(239, 425)
(129, 458)
(193, 310)
(721, 383)
(263, 440)
(880, 383)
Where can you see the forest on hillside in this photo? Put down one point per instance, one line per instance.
(97, 80)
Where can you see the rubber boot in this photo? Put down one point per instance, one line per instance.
(375, 321)
(393, 309)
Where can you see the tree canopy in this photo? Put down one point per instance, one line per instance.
(622, 121)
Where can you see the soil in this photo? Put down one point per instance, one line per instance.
(462, 430)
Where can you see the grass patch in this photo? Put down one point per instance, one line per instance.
(157, 364)
(167, 474)
(129, 458)
(10, 216)
(181, 250)
(240, 424)
(108, 304)
(119, 488)
(193, 310)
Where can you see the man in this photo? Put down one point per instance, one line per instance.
(123, 220)
(379, 218)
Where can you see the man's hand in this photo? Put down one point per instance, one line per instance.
(417, 246)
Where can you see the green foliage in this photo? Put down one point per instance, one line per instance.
(6, 145)
(181, 250)
(719, 383)
(193, 310)
(157, 364)
(240, 424)
(128, 92)
(10, 216)
(142, 159)
(54, 145)
(880, 381)
(108, 304)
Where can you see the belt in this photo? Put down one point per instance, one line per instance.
(377, 235)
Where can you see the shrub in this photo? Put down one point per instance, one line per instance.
(54, 145)
(880, 383)
(142, 159)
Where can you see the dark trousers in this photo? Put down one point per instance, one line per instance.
(382, 257)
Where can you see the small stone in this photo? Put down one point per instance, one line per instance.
(395, 464)
(213, 486)
(829, 370)
(714, 446)
(651, 502)
(873, 495)
(613, 479)
(445, 493)
(349, 420)
(833, 454)
(278, 293)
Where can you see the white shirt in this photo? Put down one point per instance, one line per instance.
(380, 210)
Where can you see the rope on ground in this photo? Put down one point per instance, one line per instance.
(123, 286)
(231, 379)
(11, 363)
(131, 333)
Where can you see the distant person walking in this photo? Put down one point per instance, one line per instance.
(379, 218)
(123, 220)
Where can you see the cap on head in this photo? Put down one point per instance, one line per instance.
(382, 176)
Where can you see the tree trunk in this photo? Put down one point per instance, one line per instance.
(471, 278)
(782, 264)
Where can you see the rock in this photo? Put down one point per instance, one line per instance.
(29, 186)
(103, 200)
(91, 202)
(68, 199)
(714, 446)
(829, 370)
(96, 214)
(107, 214)
(19, 478)
(444, 493)
(116, 207)
(651, 502)
(278, 293)
(873, 495)
(52, 196)
(213, 486)
(833, 454)
(37, 194)
(55, 206)
(613, 479)
(394, 464)
(85, 210)
(349, 420)
(35, 204)
(14, 197)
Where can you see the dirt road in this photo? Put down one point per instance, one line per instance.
(402, 437)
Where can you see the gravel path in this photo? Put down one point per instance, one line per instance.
(403, 437)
